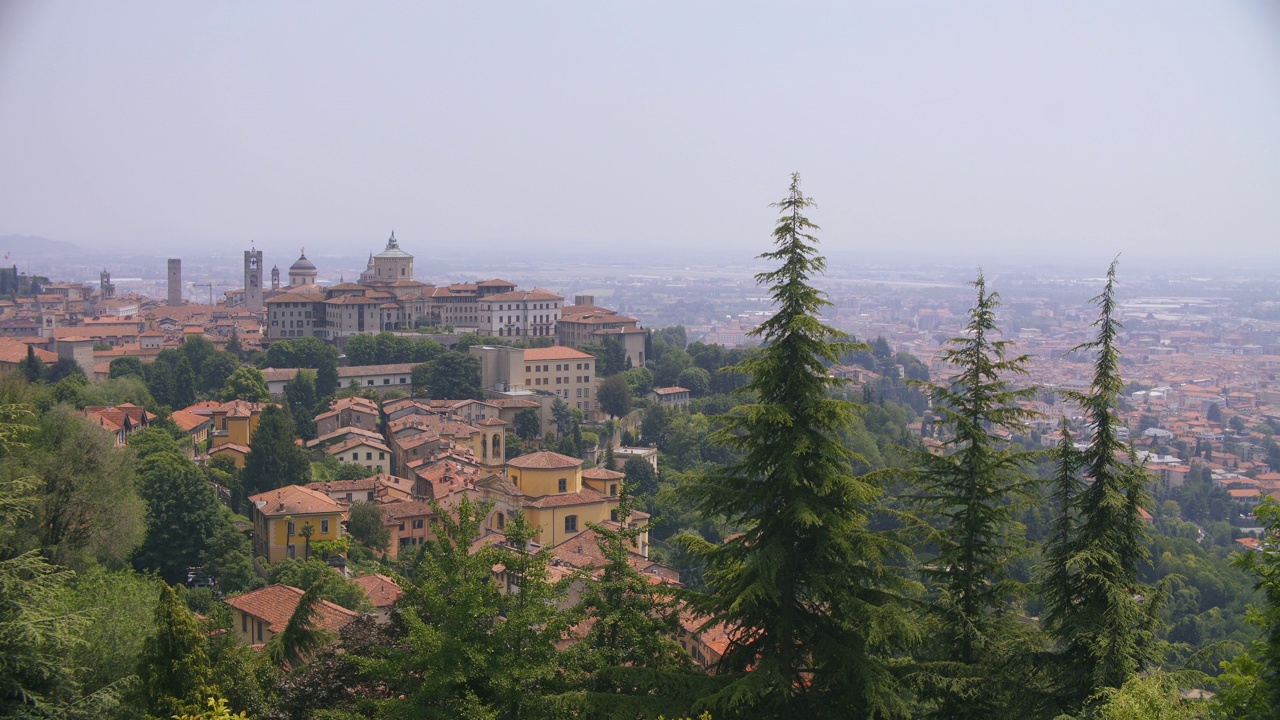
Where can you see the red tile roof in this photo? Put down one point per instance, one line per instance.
(275, 604)
(381, 590)
(294, 500)
(544, 460)
(557, 352)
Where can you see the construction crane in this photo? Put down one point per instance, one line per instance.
(208, 285)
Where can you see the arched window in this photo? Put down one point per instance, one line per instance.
(501, 521)
(402, 272)
(571, 523)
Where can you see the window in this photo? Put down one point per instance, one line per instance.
(370, 496)
(370, 382)
(348, 497)
(324, 527)
(381, 455)
(244, 623)
(571, 523)
(613, 515)
(293, 551)
(259, 623)
(290, 530)
(386, 381)
(368, 456)
(502, 521)
(561, 486)
(613, 488)
(355, 457)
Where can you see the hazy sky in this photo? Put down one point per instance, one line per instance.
(965, 128)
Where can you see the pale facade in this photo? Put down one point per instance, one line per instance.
(520, 314)
(565, 372)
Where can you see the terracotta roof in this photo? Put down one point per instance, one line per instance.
(393, 369)
(369, 483)
(543, 460)
(234, 447)
(275, 604)
(413, 508)
(382, 590)
(187, 421)
(496, 282)
(522, 295)
(670, 390)
(343, 433)
(356, 442)
(585, 496)
(556, 352)
(598, 473)
(294, 500)
(509, 403)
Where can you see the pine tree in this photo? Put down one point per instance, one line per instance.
(184, 384)
(1103, 619)
(973, 489)
(275, 459)
(633, 665)
(300, 395)
(327, 381)
(173, 671)
(805, 587)
(233, 345)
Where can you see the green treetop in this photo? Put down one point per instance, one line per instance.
(1104, 620)
(805, 586)
(971, 490)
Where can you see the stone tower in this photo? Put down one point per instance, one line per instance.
(175, 281)
(253, 280)
(390, 265)
(106, 290)
(275, 277)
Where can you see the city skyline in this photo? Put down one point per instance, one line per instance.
(965, 133)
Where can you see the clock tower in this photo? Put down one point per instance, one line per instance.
(253, 280)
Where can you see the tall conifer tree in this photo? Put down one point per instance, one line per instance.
(972, 489)
(1104, 620)
(805, 587)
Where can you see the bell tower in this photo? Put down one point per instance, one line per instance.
(253, 280)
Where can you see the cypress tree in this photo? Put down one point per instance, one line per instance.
(972, 489)
(327, 381)
(1103, 619)
(173, 671)
(805, 587)
(184, 384)
(275, 459)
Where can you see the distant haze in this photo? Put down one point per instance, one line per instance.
(966, 130)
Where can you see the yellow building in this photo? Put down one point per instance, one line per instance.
(233, 422)
(280, 519)
(258, 615)
(549, 488)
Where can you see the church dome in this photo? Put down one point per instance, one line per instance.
(301, 265)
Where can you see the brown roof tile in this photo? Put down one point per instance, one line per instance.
(544, 460)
